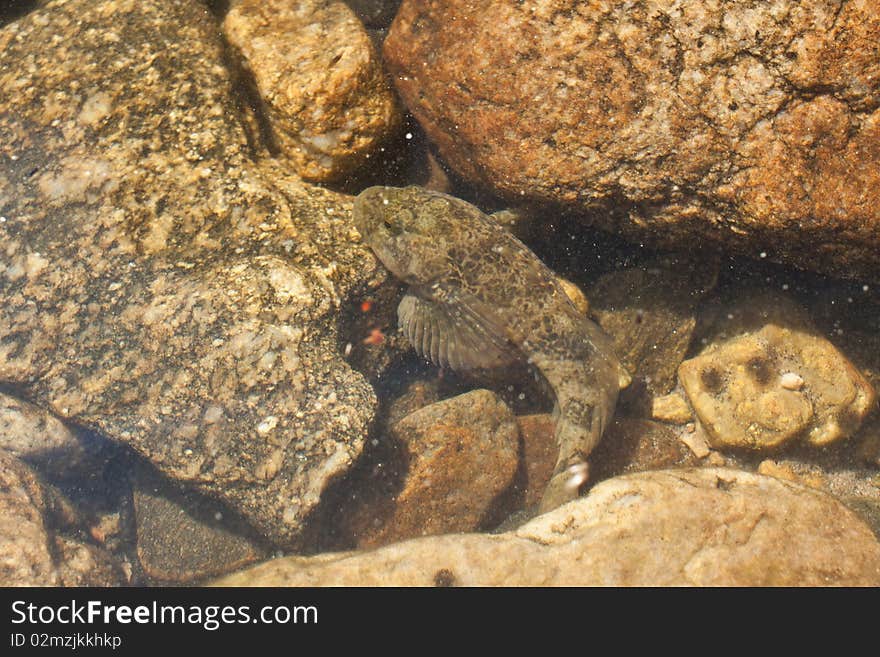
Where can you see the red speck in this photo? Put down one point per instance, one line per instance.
(375, 337)
(366, 306)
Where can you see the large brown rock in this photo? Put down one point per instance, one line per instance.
(706, 527)
(457, 458)
(752, 125)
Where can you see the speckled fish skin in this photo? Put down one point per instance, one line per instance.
(479, 297)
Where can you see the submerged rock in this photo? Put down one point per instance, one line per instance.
(321, 81)
(703, 527)
(857, 486)
(157, 285)
(32, 553)
(42, 440)
(752, 126)
(458, 456)
(770, 379)
(637, 445)
(82, 564)
(25, 552)
(539, 455)
(182, 536)
(671, 408)
(650, 314)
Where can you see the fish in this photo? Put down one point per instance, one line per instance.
(479, 299)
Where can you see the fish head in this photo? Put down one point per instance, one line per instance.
(407, 229)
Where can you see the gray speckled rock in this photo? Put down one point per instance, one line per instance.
(706, 527)
(156, 284)
(182, 536)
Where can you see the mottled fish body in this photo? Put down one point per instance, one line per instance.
(480, 299)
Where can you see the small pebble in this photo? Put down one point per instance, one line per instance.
(791, 381)
(697, 443)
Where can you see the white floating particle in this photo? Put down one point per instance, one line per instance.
(763, 254)
(267, 425)
(218, 516)
(348, 349)
(791, 381)
(384, 201)
(785, 286)
(408, 135)
(864, 288)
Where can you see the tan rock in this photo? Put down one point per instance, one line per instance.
(322, 84)
(705, 527)
(750, 125)
(671, 408)
(82, 564)
(737, 385)
(460, 455)
(695, 439)
(784, 471)
(575, 294)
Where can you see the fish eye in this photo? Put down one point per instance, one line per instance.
(392, 226)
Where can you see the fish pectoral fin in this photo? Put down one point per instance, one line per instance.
(451, 336)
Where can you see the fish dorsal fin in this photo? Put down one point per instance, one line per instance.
(450, 336)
